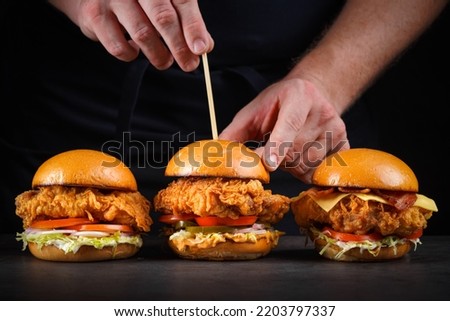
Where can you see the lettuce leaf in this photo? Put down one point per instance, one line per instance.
(70, 243)
(373, 247)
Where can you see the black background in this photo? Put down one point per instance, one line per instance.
(410, 102)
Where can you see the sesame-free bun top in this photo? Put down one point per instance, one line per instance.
(87, 168)
(217, 158)
(365, 168)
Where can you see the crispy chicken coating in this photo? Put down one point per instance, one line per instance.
(354, 215)
(119, 207)
(222, 197)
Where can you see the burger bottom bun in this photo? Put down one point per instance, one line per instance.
(356, 255)
(84, 254)
(227, 251)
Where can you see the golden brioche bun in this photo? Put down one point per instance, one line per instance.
(365, 168)
(218, 158)
(356, 254)
(85, 167)
(84, 254)
(229, 251)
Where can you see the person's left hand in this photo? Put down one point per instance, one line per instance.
(304, 127)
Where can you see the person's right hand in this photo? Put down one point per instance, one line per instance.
(164, 30)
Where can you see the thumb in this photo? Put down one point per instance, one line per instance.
(277, 147)
(271, 155)
(270, 160)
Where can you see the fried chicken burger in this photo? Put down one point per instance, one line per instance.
(83, 206)
(217, 207)
(364, 206)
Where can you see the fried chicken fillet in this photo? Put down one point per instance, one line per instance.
(53, 202)
(222, 197)
(357, 216)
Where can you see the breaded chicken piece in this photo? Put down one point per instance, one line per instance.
(356, 216)
(119, 207)
(222, 197)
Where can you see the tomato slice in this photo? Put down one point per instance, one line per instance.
(349, 237)
(415, 235)
(62, 222)
(111, 228)
(225, 221)
(173, 219)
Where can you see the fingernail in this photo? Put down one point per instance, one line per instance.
(199, 46)
(273, 161)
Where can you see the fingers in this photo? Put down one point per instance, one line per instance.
(165, 31)
(310, 155)
(164, 18)
(242, 128)
(304, 127)
(254, 120)
(98, 23)
(194, 29)
(299, 147)
(140, 29)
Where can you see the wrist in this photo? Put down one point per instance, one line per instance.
(320, 69)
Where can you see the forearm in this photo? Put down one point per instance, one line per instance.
(365, 38)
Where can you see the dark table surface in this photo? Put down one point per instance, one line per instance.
(292, 271)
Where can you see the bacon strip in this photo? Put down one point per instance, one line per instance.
(318, 192)
(400, 200)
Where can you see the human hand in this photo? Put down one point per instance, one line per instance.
(304, 127)
(164, 30)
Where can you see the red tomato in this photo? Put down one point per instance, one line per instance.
(110, 228)
(349, 237)
(415, 235)
(173, 219)
(58, 223)
(225, 221)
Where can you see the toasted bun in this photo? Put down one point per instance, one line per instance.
(227, 251)
(356, 255)
(84, 167)
(365, 168)
(218, 158)
(84, 254)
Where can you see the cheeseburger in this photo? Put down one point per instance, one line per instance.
(217, 207)
(364, 206)
(84, 206)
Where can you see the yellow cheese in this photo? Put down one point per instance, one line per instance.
(328, 201)
(426, 203)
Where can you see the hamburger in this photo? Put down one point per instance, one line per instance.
(216, 208)
(364, 206)
(84, 205)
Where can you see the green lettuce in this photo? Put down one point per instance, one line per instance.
(72, 243)
(373, 247)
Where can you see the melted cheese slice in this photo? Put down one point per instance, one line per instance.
(329, 201)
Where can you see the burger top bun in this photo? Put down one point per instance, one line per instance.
(218, 158)
(365, 168)
(87, 168)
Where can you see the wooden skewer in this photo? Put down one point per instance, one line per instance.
(212, 113)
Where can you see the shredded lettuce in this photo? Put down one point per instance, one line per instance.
(183, 238)
(71, 243)
(373, 247)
